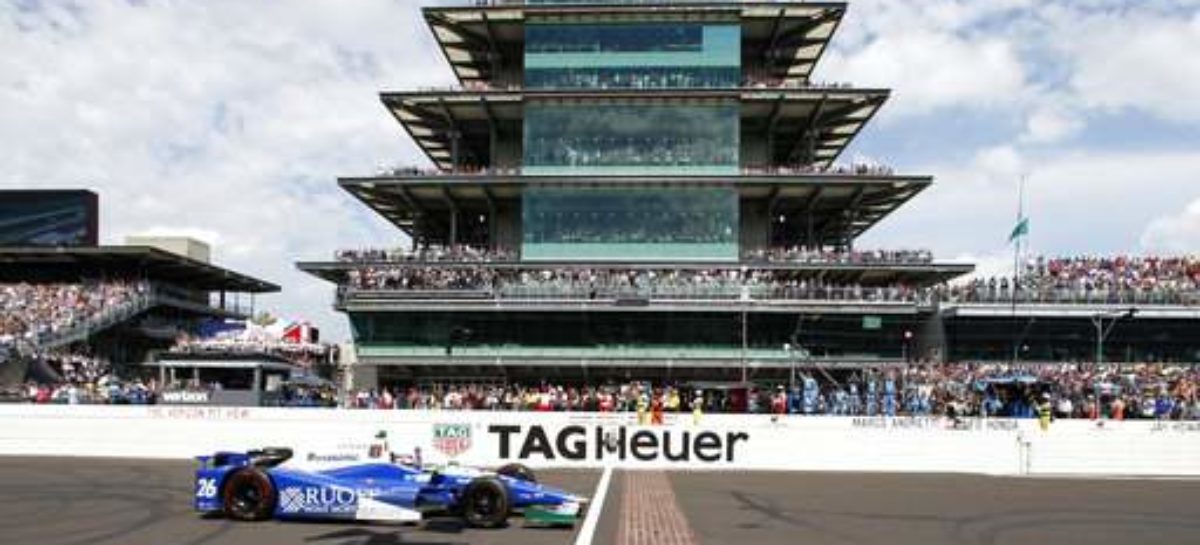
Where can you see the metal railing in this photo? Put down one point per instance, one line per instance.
(1072, 297)
(730, 293)
(751, 292)
(86, 327)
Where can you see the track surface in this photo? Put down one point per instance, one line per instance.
(86, 501)
(121, 502)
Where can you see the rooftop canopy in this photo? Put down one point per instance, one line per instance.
(839, 206)
(25, 264)
(802, 125)
(782, 39)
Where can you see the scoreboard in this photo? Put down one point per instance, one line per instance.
(49, 218)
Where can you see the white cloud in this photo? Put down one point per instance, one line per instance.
(1078, 202)
(223, 119)
(928, 70)
(1049, 124)
(1175, 234)
(1134, 60)
(232, 119)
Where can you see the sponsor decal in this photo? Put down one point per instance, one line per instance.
(199, 413)
(345, 457)
(452, 439)
(185, 397)
(320, 499)
(206, 488)
(598, 443)
(1172, 426)
(934, 423)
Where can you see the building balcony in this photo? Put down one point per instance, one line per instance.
(780, 276)
(719, 298)
(785, 124)
(857, 170)
(826, 207)
(608, 356)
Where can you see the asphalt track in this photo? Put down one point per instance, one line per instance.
(94, 501)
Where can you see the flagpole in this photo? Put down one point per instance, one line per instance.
(1016, 268)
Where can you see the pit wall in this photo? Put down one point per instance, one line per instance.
(757, 442)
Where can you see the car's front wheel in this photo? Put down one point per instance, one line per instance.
(485, 503)
(248, 494)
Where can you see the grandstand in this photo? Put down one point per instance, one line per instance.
(111, 304)
(627, 190)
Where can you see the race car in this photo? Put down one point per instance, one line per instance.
(261, 484)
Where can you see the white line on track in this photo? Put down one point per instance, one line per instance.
(595, 505)
(1104, 477)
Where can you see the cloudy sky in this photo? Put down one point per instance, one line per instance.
(230, 120)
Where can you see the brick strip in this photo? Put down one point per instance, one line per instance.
(650, 515)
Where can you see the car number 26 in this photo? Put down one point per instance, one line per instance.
(206, 488)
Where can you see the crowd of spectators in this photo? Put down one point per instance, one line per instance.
(426, 253)
(33, 311)
(107, 391)
(1145, 280)
(772, 82)
(1148, 391)
(645, 78)
(608, 283)
(82, 378)
(305, 354)
(799, 254)
(1119, 279)
(852, 169)
(461, 253)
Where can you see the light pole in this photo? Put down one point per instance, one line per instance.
(744, 363)
(1102, 332)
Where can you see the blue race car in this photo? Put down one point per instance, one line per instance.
(261, 484)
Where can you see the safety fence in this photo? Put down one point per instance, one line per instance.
(719, 442)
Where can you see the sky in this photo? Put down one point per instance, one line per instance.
(230, 121)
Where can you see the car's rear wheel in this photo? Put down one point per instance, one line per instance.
(248, 494)
(485, 503)
(517, 471)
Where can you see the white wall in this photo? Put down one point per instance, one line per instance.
(1001, 447)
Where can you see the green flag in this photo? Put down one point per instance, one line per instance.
(1020, 230)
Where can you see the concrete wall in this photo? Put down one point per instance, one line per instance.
(1000, 447)
(184, 246)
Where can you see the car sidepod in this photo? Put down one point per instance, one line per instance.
(315, 495)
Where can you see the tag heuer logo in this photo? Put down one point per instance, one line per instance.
(452, 439)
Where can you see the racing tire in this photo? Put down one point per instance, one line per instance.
(485, 503)
(517, 471)
(248, 495)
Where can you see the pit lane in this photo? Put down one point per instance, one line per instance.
(104, 501)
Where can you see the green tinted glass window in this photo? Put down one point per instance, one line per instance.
(614, 138)
(609, 56)
(640, 224)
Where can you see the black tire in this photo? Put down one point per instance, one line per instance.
(517, 471)
(485, 503)
(248, 494)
